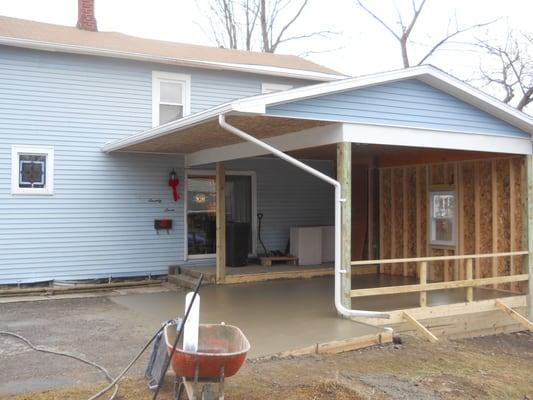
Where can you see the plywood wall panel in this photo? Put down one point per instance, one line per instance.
(405, 214)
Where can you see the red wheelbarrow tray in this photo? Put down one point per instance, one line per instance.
(218, 346)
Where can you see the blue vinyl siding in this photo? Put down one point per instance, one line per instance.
(410, 103)
(287, 197)
(99, 221)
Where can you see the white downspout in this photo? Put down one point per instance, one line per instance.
(338, 271)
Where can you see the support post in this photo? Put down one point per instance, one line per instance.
(220, 271)
(344, 176)
(527, 227)
(423, 273)
(469, 276)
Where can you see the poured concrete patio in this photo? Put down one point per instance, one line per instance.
(277, 316)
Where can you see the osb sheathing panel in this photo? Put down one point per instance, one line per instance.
(508, 173)
(209, 134)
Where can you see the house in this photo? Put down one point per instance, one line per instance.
(422, 176)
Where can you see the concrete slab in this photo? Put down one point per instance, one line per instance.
(276, 316)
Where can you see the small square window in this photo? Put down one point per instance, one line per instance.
(32, 170)
(442, 218)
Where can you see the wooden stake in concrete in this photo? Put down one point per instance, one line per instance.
(344, 176)
(220, 223)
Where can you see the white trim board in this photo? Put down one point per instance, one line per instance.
(424, 138)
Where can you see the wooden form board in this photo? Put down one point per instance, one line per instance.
(489, 216)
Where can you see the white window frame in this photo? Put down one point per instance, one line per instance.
(269, 87)
(16, 152)
(157, 78)
(208, 172)
(431, 225)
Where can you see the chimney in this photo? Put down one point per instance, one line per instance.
(86, 19)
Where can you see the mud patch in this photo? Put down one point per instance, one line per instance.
(400, 389)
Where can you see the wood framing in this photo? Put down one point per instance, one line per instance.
(488, 197)
(514, 315)
(220, 223)
(527, 227)
(344, 176)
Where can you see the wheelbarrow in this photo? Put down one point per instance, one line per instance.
(221, 352)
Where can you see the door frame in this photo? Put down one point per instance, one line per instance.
(212, 172)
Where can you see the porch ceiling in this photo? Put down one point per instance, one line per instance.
(209, 134)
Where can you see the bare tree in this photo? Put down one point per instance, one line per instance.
(233, 22)
(257, 24)
(402, 29)
(511, 69)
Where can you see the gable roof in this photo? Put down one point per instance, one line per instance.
(42, 36)
(257, 105)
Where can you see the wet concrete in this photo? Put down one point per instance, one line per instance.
(276, 316)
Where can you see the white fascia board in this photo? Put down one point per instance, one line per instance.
(165, 129)
(95, 51)
(312, 137)
(424, 138)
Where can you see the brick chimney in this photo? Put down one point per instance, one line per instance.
(86, 19)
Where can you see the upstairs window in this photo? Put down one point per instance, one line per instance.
(274, 87)
(170, 97)
(32, 170)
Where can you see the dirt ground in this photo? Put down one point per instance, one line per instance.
(494, 367)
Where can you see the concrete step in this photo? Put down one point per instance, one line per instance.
(182, 280)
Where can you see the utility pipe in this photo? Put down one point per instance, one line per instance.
(338, 200)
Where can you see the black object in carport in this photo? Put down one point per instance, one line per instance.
(237, 243)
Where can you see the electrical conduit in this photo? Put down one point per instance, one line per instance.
(338, 200)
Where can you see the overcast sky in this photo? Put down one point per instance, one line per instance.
(361, 46)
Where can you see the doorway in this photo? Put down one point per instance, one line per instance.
(200, 226)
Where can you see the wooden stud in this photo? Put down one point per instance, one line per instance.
(421, 328)
(494, 189)
(461, 217)
(405, 223)
(512, 221)
(527, 227)
(220, 223)
(514, 315)
(469, 276)
(370, 222)
(393, 220)
(418, 217)
(477, 217)
(381, 220)
(423, 280)
(344, 176)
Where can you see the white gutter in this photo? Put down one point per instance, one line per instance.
(338, 271)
